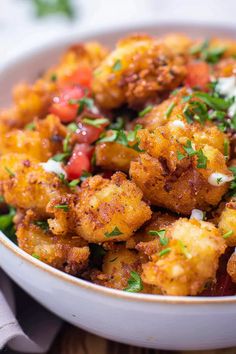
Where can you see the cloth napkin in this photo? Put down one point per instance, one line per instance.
(25, 326)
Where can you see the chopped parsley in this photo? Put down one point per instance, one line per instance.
(164, 251)
(124, 138)
(35, 255)
(95, 122)
(226, 148)
(117, 65)
(210, 55)
(6, 222)
(170, 109)
(161, 234)
(47, 8)
(118, 124)
(53, 77)
(74, 183)
(11, 174)
(72, 127)
(30, 126)
(42, 224)
(134, 283)
(201, 158)
(228, 234)
(85, 175)
(184, 250)
(60, 157)
(145, 111)
(180, 156)
(64, 207)
(1, 199)
(218, 180)
(82, 103)
(114, 232)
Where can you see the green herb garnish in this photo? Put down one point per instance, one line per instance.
(228, 234)
(64, 207)
(30, 126)
(11, 174)
(42, 224)
(53, 7)
(95, 122)
(165, 251)
(145, 111)
(117, 65)
(134, 283)
(114, 232)
(53, 77)
(161, 234)
(170, 109)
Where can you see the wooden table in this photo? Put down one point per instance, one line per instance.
(72, 340)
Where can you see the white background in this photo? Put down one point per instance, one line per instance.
(19, 28)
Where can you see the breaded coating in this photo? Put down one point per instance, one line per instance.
(114, 156)
(69, 254)
(25, 184)
(189, 261)
(173, 183)
(231, 267)
(146, 243)
(139, 69)
(178, 42)
(40, 143)
(227, 223)
(110, 209)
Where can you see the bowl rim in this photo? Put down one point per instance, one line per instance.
(65, 40)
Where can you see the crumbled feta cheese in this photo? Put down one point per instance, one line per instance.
(178, 123)
(197, 214)
(226, 86)
(217, 179)
(53, 166)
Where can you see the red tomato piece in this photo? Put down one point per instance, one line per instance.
(87, 133)
(80, 161)
(198, 75)
(61, 107)
(82, 76)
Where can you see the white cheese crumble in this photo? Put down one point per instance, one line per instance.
(217, 179)
(226, 86)
(178, 123)
(53, 166)
(197, 214)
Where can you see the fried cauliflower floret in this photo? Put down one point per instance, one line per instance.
(69, 254)
(173, 183)
(189, 261)
(227, 223)
(114, 156)
(110, 209)
(178, 125)
(40, 143)
(139, 69)
(231, 267)
(25, 184)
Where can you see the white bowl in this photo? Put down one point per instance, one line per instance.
(154, 321)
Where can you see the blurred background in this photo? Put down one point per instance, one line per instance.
(27, 23)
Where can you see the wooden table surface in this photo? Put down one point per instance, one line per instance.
(72, 340)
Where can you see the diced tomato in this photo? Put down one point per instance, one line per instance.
(61, 107)
(87, 133)
(198, 75)
(80, 161)
(82, 76)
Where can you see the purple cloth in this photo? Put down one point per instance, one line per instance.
(25, 326)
